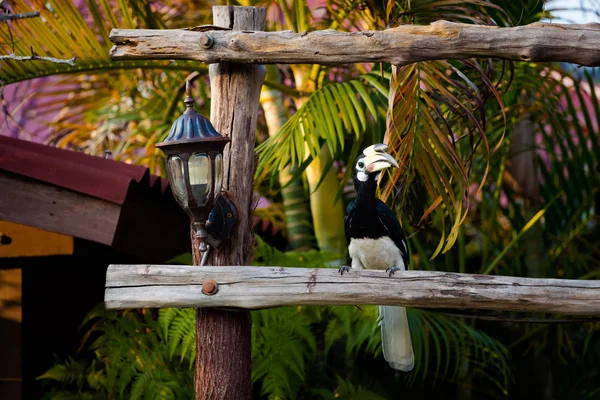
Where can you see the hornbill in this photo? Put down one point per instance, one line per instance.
(376, 241)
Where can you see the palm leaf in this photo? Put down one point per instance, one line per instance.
(120, 106)
(568, 165)
(63, 31)
(443, 343)
(327, 118)
(435, 125)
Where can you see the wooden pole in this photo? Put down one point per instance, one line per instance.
(155, 286)
(223, 363)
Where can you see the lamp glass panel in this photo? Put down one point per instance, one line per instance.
(218, 173)
(177, 179)
(200, 182)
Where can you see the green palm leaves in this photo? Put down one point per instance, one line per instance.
(68, 33)
(97, 104)
(327, 117)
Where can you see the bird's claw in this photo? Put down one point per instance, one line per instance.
(392, 270)
(343, 268)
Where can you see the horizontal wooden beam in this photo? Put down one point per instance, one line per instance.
(405, 44)
(51, 208)
(158, 286)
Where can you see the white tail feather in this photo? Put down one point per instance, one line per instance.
(395, 338)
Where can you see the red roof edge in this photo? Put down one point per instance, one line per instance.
(95, 176)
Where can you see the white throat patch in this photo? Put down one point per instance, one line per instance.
(361, 176)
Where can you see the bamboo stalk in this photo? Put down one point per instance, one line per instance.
(296, 206)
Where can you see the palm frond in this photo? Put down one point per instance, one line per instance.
(436, 123)
(442, 343)
(121, 106)
(568, 164)
(329, 115)
(64, 31)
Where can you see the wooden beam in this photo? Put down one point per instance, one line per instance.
(542, 42)
(157, 286)
(44, 206)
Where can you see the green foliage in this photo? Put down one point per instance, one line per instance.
(179, 330)
(442, 126)
(330, 114)
(267, 255)
(67, 33)
(282, 346)
(449, 342)
(125, 357)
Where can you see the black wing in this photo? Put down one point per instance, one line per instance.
(348, 219)
(391, 224)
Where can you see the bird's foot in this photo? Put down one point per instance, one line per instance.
(392, 270)
(344, 268)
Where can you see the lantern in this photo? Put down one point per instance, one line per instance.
(194, 160)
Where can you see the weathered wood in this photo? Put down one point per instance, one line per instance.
(235, 92)
(223, 360)
(42, 205)
(400, 45)
(133, 286)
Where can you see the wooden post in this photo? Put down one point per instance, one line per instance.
(223, 363)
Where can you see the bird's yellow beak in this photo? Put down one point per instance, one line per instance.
(379, 160)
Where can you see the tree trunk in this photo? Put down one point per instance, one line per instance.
(295, 203)
(223, 363)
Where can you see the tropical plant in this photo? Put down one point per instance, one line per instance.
(98, 104)
(125, 358)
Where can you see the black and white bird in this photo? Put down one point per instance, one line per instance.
(376, 241)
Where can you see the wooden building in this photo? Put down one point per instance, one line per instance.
(64, 216)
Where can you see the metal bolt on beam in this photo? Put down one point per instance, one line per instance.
(209, 287)
(207, 41)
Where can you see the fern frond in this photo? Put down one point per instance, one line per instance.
(70, 371)
(282, 343)
(179, 329)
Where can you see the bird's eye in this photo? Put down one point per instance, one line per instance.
(361, 164)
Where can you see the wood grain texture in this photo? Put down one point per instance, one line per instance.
(223, 338)
(133, 286)
(44, 206)
(400, 45)
(235, 92)
(224, 367)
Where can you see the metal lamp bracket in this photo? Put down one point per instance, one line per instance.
(221, 221)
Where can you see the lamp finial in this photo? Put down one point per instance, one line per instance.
(189, 100)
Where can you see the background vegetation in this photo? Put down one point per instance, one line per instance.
(516, 146)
